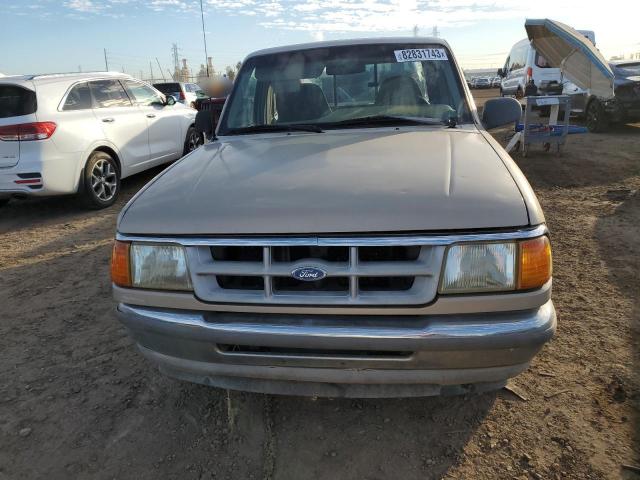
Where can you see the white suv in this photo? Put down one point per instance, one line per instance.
(83, 133)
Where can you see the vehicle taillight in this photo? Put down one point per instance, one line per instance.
(529, 74)
(182, 97)
(27, 131)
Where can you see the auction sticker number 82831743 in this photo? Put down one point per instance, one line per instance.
(418, 54)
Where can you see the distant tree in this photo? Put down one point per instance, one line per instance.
(231, 73)
(238, 66)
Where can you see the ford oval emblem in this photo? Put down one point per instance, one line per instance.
(308, 274)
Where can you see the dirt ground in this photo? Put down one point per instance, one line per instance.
(78, 401)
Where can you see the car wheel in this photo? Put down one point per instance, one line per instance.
(101, 181)
(596, 118)
(193, 140)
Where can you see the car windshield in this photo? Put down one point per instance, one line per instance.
(331, 86)
(168, 88)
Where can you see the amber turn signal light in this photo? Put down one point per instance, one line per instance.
(535, 263)
(120, 269)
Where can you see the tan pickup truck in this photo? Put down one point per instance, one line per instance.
(352, 230)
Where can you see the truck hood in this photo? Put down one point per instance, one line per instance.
(348, 181)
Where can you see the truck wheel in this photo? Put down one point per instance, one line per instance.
(193, 140)
(101, 181)
(596, 117)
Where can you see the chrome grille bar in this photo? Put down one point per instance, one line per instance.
(353, 278)
(266, 260)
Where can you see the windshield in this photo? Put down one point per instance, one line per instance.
(330, 86)
(168, 88)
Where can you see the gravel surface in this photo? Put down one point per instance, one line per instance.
(78, 401)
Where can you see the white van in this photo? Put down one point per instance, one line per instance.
(523, 66)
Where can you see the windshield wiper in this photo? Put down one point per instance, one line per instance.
(293, 127)
(385, 120)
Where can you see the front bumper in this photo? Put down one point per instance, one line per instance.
(341, 355)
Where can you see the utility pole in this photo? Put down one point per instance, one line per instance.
(106, 62)
(435, 32)
(176, 58)
(204, 39)
(151, 70)
(161, 72)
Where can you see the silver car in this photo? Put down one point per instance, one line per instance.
(353, 230)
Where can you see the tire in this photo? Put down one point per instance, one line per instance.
(192, 141)
(595, 117)
(101, 181)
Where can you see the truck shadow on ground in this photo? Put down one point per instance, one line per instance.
(367, 439)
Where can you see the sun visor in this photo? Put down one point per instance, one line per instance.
(294, 66)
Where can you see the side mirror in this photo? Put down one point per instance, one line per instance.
(501, 111)
(206, 123)
(170, 100)
(500, 72)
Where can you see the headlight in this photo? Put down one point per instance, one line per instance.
(481, 267)
(159, 267)
(162, 267)
(496, 267)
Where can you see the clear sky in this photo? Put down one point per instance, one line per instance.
(39, 36)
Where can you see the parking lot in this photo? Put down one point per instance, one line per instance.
(78, 401)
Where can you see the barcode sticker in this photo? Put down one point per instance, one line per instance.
(420, 54)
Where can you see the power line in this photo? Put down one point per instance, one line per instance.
(160, 68)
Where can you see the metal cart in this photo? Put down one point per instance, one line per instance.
(534, 131)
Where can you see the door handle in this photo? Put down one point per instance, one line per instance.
(151, 115)
(108, 120)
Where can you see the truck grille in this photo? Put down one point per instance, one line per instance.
(355, 275)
